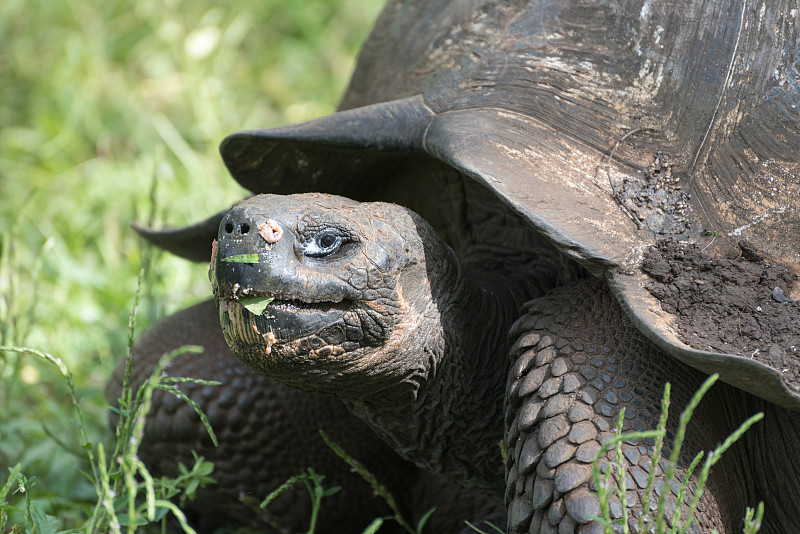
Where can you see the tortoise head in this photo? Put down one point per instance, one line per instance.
(315, 289)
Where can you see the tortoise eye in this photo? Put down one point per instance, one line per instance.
(323, 243)
(327, 241)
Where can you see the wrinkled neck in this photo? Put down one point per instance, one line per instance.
(452, 420)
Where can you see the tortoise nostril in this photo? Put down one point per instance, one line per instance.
(229, 228)
(244, 228)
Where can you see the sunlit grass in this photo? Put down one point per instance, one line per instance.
(610, 478)
(111, 112)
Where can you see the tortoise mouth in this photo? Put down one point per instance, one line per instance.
(278, 322)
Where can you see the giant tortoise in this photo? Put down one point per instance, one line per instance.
(557, 208)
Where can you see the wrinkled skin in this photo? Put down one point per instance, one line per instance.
(373, 308)
(329, 308)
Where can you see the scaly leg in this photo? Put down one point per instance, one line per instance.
(577, 361)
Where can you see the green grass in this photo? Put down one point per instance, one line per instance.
(609, 477)
(111, 112)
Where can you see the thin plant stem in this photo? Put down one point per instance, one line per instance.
(656, 456)
(620, 467)
(713, 457)
(683, 423)
(107, 496)
(682, 491)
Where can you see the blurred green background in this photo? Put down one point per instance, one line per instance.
(111, 112)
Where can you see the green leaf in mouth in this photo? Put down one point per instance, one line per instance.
(255, 305)
(242, 258)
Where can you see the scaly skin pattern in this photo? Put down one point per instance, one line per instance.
(436, 383)
(576, 362)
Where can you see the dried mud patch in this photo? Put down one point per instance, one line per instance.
(736, 306)
(657, 199)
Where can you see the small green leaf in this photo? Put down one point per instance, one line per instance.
(255, 305)
(10, 508)
(242, 258)
(331, 491)
(424, 519)
(138, 521)
(374, 526)
(45, 524)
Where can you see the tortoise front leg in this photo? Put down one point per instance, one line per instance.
(577, 361)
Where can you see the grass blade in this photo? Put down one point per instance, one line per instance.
(372, 480)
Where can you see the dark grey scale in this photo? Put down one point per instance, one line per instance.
(567, 444)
